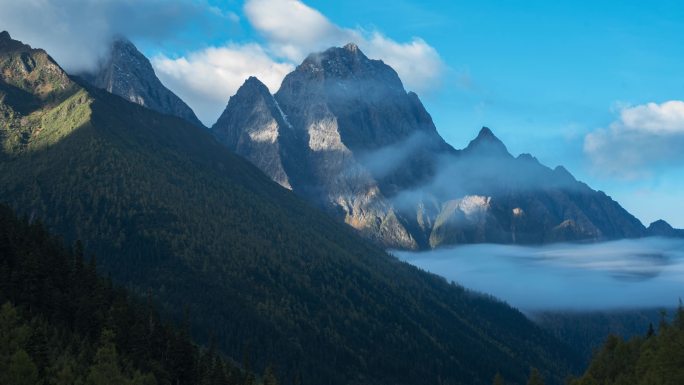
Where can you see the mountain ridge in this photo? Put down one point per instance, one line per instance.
(360, 147)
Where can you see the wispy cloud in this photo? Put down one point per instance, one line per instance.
(77, 32)
(643, 138)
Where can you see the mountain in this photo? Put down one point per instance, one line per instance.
(174, 216)
(128, 73)
(344, 134)
(660, 228)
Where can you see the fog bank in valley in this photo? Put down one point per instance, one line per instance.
(621, 274)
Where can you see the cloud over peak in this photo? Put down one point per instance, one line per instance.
(77, 32)
(290, 30)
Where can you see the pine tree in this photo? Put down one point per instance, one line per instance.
(269, 377)
(106, 370)
(22, 370)
(535, 378)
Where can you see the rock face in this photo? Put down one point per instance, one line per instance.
(343, 133)
(129, 74)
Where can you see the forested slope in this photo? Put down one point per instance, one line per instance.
(60, 323)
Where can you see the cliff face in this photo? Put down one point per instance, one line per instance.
(129, 74)
(342, 132)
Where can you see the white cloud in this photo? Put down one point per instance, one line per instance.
(294, 29)
(417, 63)
(666, 118)
(207, 78)
(77, 32)
(643, 138)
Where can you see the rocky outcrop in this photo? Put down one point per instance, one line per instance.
(343, 133)
(128, 73)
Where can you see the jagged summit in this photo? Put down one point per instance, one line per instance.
(487, 144)
(349, 63)
(251, 126)
(128, 73)
(253, 82)
(8, 44)
(352, 47)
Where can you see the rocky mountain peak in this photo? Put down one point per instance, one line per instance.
(352, 47)
(660, 228)
(251, 126)
(487, 144)
(253, 85)
(9, 44)
(349, 63)
(128, 73)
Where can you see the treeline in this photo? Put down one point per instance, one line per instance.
(60, 323)
(654, 359)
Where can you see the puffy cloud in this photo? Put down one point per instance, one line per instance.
(77, 32)
(207, 78)
(417, 63)
(294, 29)
(643, 138)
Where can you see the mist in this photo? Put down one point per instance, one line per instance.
(79, 32)
(625, 274)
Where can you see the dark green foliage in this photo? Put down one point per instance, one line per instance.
(535, 378)
(72, 327)
(655, 360)
(585, 332)
(172, 214)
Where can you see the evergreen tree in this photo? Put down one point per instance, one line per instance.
(535, 377)
(22, 370)
(106, 369)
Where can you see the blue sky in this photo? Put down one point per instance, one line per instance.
(595, 86)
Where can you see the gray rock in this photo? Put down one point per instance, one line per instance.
(128, 73)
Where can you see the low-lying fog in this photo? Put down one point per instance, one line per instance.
(601, 276)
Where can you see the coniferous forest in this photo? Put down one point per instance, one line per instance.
(655, 358)
(61, 323)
